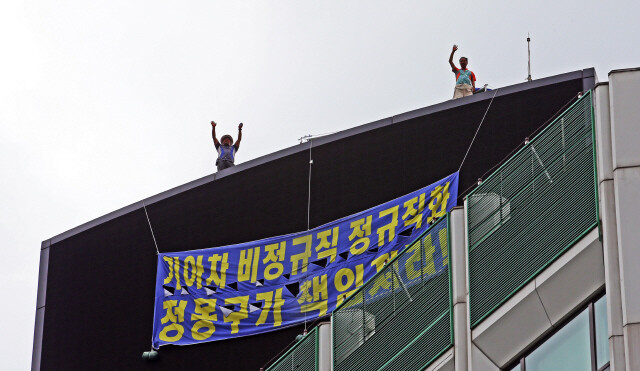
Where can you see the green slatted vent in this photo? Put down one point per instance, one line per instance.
(400, 319)
(303, 356)
(531, 210)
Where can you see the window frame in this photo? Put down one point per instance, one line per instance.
(590, 306)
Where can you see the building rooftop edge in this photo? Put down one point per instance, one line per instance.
(449, 104)
(624, 70)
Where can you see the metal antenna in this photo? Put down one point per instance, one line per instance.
(309, 137)
(305, 138)
(529, 57)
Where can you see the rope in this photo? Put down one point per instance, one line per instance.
(308, 218)
(150, 228)
(478, 130)
(155, 244)
(309, 193)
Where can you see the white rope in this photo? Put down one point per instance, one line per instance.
(477, 130)
(308, 218)
(149, 221)
(154, 242)
(309, 193)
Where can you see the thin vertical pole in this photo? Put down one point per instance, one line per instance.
(529, 57)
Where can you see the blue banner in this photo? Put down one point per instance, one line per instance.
(261, 286)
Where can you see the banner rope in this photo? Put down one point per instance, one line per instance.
(309, 192)
(308, 219)
(150, 228)
(478, 130)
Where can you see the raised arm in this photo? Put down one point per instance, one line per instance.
(213, 134)
(237, 143)
(453, 66)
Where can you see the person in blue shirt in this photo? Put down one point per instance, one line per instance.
(465, 79)
(225, 147)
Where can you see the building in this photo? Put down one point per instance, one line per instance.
(542, 262)
(538, 260)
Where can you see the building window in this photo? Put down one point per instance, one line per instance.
(567, 349)
(580, 344)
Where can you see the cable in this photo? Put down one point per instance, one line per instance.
(308, 217)
(309, 193)
(477, 130)
(151, 228)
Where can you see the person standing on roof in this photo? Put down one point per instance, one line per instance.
(227, 149)
(465, 79)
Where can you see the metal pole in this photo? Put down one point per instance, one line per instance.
(395, 271)
(541, 164)
(528, 57)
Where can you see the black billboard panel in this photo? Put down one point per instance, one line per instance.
(98, 312)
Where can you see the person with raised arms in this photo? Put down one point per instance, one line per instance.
(465, 79)
(225, 147)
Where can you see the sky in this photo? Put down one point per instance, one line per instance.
(105, 103)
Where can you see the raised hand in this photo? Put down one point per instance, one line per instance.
(240, 126)
(213, 123)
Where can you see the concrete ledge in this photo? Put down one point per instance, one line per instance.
(480, 362)
(573, 278)
(544, 302)
(443, 363)
(511, 328)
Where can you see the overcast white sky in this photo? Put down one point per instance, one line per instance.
(104, 103)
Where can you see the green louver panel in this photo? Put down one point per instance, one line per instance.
(531, 210)
(303, 356)
(400, 319)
